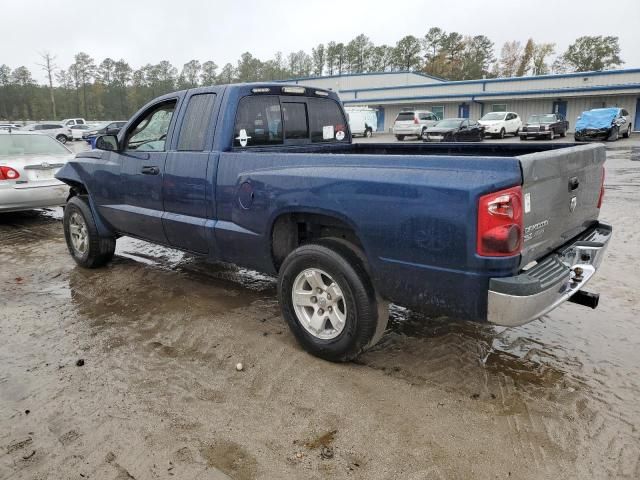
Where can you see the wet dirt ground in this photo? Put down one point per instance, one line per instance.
(130, 372)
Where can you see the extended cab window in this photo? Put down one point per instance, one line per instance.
(197, 118)
(149, 133)
(326, 121)
(258, 122)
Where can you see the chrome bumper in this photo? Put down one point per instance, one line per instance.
(514, 301)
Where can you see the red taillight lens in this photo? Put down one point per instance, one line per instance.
(601, 189)
(8, 173)
(500, 223)
(416, 121)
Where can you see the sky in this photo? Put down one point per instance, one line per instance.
(147, 31)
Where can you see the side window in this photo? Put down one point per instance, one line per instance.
(193, 133)
(465, 123)
(149, 133)
(258, 122)
(326, 121)
(80, 121)
(296, 126)
(624, 112)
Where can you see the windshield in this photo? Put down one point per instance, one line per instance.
(404, 116)
(494, 116)
(448, 123)
(548, 118)
(30, 145)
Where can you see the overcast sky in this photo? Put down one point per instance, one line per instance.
(147, 31)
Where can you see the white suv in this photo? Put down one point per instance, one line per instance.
(411, 123)
(55, 130)
(498, 124)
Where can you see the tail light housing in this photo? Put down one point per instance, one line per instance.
(601, 188)
(8, 173)
(500, 223)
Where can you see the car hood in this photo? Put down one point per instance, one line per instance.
(601, 118)
(488, 123)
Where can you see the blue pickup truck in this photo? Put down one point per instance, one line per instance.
(265, 176)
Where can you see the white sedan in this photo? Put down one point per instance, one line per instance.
(28, 163)
(498, 124)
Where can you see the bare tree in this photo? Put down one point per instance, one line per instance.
(49, 66)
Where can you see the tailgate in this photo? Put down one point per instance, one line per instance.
(560, 191)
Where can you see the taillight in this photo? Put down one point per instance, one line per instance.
(601, 189)
(500, 223)
(416, 121)
(8, 173)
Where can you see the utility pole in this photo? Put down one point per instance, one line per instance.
(49, 67)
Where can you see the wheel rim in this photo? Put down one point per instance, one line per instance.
(319, 303)
(78, 233)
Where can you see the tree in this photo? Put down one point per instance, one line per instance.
(592, 53)
(84, 70)
(526, 59)
(228, 74)
(356, 53)
(49, 66)
(432, 42)
(540, 54)
(21, 77)
(380, 58)
(318, 59)
(331, 56)
(190, 74)
(477, 57)
(510, 58)
(121, 77)
(248, 68)
(208, 75)
(407, 53)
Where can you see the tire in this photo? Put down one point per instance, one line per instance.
(517, 132)
(337, 264)
(552, 134)
(61, 138)
(563, 134)
(614, 134)
(400, 137)
(422, 134)
(628, 133)
(577, 138)
(78, 222)
(368, 133)
(502, 134)
(523, 138)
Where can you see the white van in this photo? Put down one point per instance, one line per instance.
(362, 121)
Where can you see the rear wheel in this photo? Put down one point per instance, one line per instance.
(368, 133)
(523, 137)
(87, 248)
(61, 138)
(400, 137)
(329, 302)
(628, 132)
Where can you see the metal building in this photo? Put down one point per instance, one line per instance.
(569, 94)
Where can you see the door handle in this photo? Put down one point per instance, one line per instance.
(574, 183)
(150, 170)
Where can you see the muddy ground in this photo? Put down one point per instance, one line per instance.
(129, 372)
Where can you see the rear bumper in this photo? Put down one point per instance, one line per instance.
(514, 301)
(417, 130)
(27, 198)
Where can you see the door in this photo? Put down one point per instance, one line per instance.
(465, 132)
(463, 110)
(380, 119)
(636, 122)
(189, 175)
(560, 106)
(142, 161)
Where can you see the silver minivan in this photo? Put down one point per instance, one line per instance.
(413, 123)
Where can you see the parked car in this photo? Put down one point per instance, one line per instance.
(499, 124)
(28, 163)
(455, 130)
(362, 121)
(104, 128)
(78, 130)
(413, 123)
(266, 176)
(546, 125)
(69, 122)
(7, 126)
(55, 130)
(603, 124)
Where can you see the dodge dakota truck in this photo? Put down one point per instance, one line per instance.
(265, 176)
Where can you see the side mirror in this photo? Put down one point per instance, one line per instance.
(107, 142)
(112, 131)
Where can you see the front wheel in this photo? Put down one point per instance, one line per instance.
(502, 134)
(87, 248)
(327, 298)
(399, 137)
(61, 138)
(423, 133)
(614, 134)
(628, 132)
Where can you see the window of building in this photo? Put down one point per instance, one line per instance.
(326, 121)
(499, 107)
(197, 118)
(438, 111)
(296, 125)
(258, 122)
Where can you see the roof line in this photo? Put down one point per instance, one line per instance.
(319, 77)
(472, 96)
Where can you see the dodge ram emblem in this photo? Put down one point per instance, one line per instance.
(573, 204)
